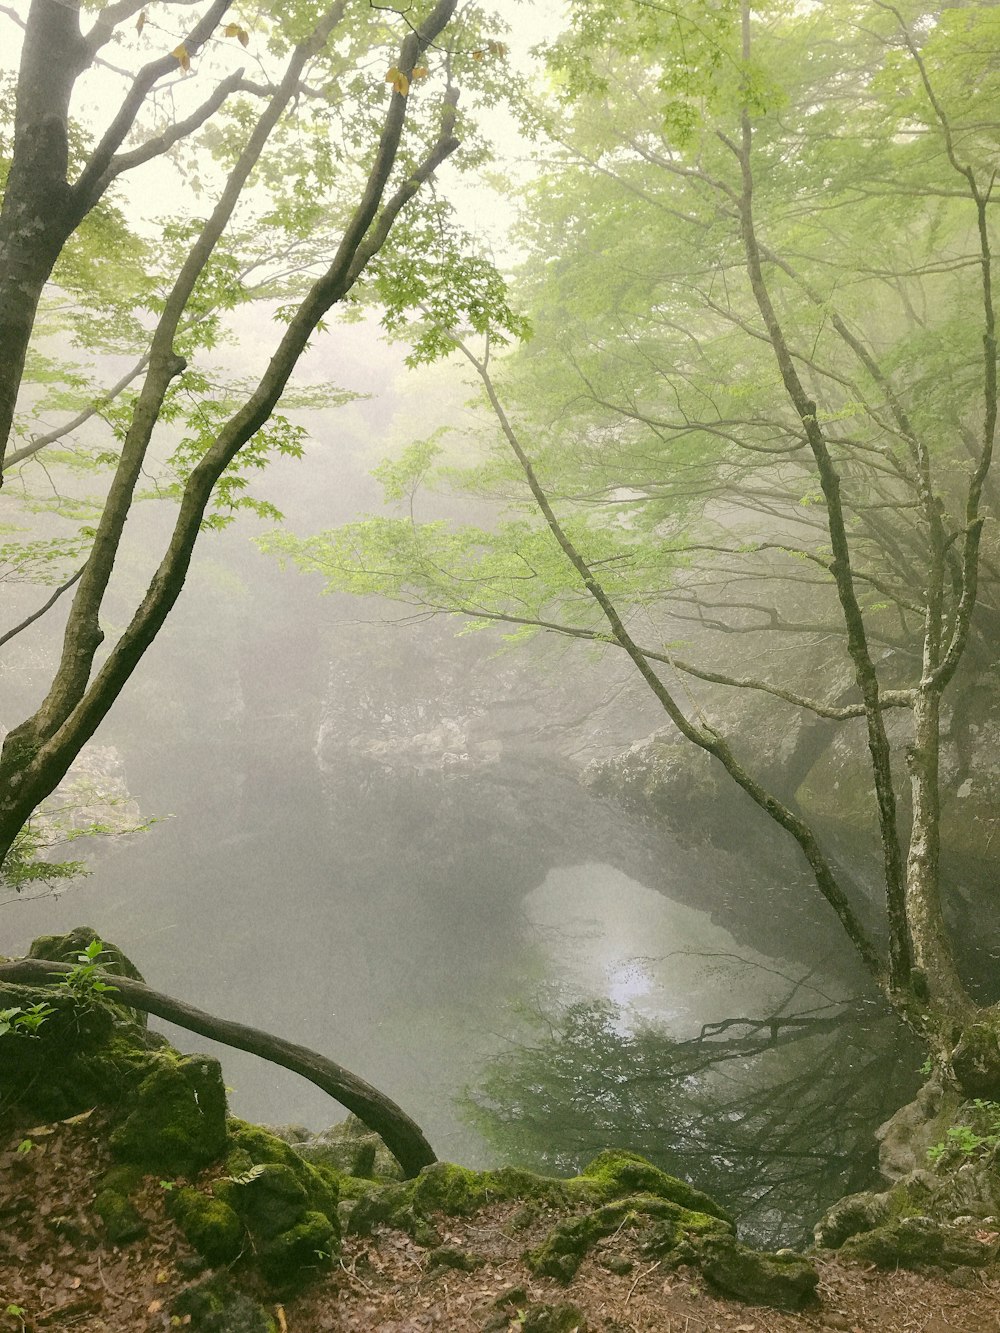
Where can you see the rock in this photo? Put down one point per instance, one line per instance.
(618, 1173)
(214, 1306)
(299, 1251)
(668, 1226)
(122, 1222)
(916, 1242)
(178, 1121)
(349, 1147)
(857, 1212)
(450, 1256)
(560, 1317)
(446, 1188)
(781, 1281)
(905, 1137)
(209, 1225)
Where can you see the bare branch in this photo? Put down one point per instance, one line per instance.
(37, 615)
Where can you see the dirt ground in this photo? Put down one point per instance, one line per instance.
(58, 1272)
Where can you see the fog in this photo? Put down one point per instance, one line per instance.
(372, 836)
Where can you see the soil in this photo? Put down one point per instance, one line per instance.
(58, 1271)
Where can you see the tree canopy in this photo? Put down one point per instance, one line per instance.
(760, 396)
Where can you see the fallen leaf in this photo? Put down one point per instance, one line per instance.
(279, 1310)
(154, 1307)
(162, 1276)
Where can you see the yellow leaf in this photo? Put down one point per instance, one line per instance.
(398, 80)
(420, 72)
(180, 54)
(162, 1276)
(478, 55)
(140, 22)
(234, 30)
(497, 48)
(279, 1310)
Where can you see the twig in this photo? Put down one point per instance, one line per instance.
(639, 1277)
(37, 615)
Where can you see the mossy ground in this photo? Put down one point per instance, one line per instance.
(62, 1269)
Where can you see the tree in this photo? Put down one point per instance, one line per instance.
(306, 185)
(764, 293)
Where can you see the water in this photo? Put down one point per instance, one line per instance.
(378, 846)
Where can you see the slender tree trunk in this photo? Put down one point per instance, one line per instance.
(932, 951)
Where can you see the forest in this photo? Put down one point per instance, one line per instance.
(501, 591)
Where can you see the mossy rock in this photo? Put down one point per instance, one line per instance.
(350, 1148)
(299, 1252)
(213, 1305)
(122, 1222)
(615, 1174)
(251, 1146)
(781, 1281)
(446, 1188)
(918, 1242)
(289, 1208)
(851, 1215)
(269, 1198)
(557, 1317)
(178, 1121)
(976, 1061)
(209, 1225)
(565, 1247)
(67, 949)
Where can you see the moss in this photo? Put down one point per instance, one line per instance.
(251, 1146)
(782, 1281)
(123, 1179)
(916, 1242)
(298, 1252)
(270, 1201)
(614, 1174)
(563, 1250)
(445, 1188)
(209, 1225)
(558, 1317)
(177, 1125)
(213, 1305)
(122, 1222)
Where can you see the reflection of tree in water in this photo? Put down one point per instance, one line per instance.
(773, 1116)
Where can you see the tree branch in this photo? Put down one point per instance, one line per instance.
(37, 615)
(402, 1136)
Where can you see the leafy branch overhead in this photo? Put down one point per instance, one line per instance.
(290, 186)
